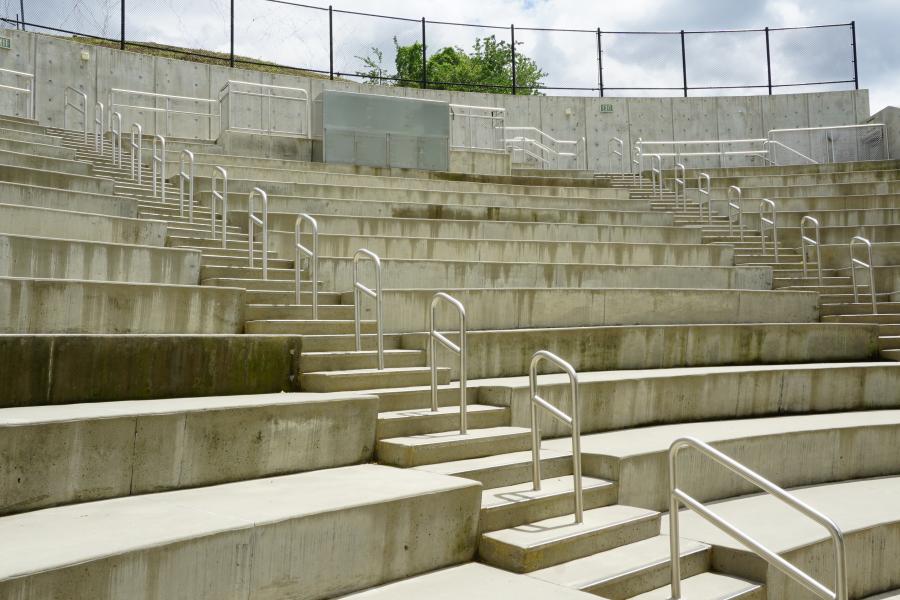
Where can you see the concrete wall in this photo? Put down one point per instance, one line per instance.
(890, 116)
(58, 63)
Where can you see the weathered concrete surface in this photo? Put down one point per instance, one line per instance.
(484, 162)
(72, 225)
(84, 202)
(274, 146)
(70, 259)
(64, 369)
(74, 306)
(837, 256)
(10, 144)
(308, 536)
(139, 447)
(56, 179)
(890, 116)
(32, 160)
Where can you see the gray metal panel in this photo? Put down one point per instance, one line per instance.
(374, 130)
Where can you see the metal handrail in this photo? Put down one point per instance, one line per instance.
(182, 176)
(494, 116)
(805, 241)
(98, 128)
(115, 135)
(80, 110)
(159, 159)
(773, 155)
(701, 192)
(677, 496)
(656, 175)
(313, 254)
(764, 204)
(217, 196)
(617, 150)
(460, 349)
(270, 92)
(168, 111)
(573, 422)
(855, 262)
(681, 182)
(252, 221)
(28, 90)
(736, 208)
(545, 142)
(376, 294)
(136, 143)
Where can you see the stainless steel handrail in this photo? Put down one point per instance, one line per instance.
(189, 176)
(460, 349)
(704, 192)
(313, 255)
(67, 104)
(136, 143)
(494, 117)
(376, 294)
(772, 145)
(159, 159)
(677, 496)
(573, 422)
(263, 222)
(231, 87)
(736, 208)
(681, 182)
(167, 111)
(115, 135)
(854, 263)
(772, 223)
(219, 197)
(617, 150)
(98, 128)
(656, 174)
(805, 241)
(28, 90)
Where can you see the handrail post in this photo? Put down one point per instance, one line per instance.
(678, 496)
(252, 221)
(159, 159)
(855, 262)
(313, 254)
(618, 149)
(219, 173)
(813, 242)
(82, 110)
(736, 208)
(189, 175)
(656, 175)
(573, 422)
(376, 294)
(460, 349)
(764, 204)
(98, 128)
(115, 129)
(682, 183)
(137, 152)
(701, 191)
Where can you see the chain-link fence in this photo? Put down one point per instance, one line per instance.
(388, 49)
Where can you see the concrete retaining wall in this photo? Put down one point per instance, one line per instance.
(65, 224)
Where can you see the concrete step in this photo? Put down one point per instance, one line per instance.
(245, 272)
(251, 283)
(232, 246)
(887, 319)
(288, 297)
(560, 539)
(783, 280)
(861, 308)
(346, 342)
(628, 570)
(520, 504)
(416, 450)
(298, 327)
(891, 354)
(710, 586)
(499, 470)
(212, 260)
(889, 342)
(332, 312)
(420, 421)
(365, 379)
(367, 359)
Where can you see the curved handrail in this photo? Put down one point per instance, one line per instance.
(159, 159)
(681, 182)
(263, 222)
(656, 174)
(182, 176)
(573, 422)
(460, 349)
(814, 242)
(736, 208)
(677, 496)
(98, 128)
(855, 262)
(358, 290)
(313, 254)
(704, 192)
(136, 143)
(82, 110)
(618, 150)
(774, 158)
(115, 134)
(772, 223)
(219, 173)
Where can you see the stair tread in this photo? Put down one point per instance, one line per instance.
(442, 410)
(501, 497)
(458, 467)
(706, 586)
(454, 437)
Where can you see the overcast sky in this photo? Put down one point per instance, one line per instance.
(299, 37)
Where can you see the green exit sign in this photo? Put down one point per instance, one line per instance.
(606, 108)
(5, 43)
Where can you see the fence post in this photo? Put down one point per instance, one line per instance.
(600, 61)
(330, 42)
(684, 64)
(122, 33)
(768, 61)
(424, 58)
(855, 69)
(22, 10)
(512, 31)
(231, 58)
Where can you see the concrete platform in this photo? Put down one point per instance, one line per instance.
(61, 199)
(74, 225)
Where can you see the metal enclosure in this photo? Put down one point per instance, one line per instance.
(385, 131)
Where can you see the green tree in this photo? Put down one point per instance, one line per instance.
(452, 68)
